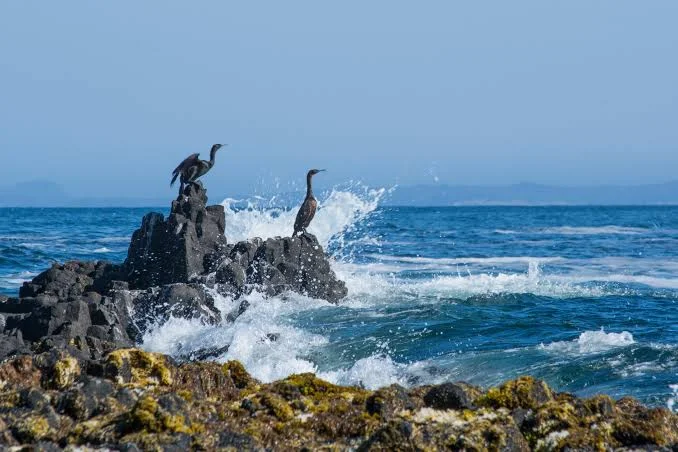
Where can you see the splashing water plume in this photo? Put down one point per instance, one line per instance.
(337, 212)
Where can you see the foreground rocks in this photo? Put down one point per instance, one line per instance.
(133, 400)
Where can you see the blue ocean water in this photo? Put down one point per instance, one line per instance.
(583, 297)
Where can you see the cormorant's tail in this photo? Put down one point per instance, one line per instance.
(174, 178)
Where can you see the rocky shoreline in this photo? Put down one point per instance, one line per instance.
(70, 374)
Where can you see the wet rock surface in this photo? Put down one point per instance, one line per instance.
(136, 400)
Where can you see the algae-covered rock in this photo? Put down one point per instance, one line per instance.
(138, 367)
(65, 372)
(236, 371)
(523, 392)
(388, 402)
(136, 400)
(31, 429)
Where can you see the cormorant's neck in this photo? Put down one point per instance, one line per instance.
(213, 154)
(309, 189)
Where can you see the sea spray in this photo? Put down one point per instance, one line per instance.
(338, 211)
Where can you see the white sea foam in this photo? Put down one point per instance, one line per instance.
(16, 279)
(372, 287)
(372, 372)
(262, 338)
(336, 213)
(591, 342)
(672, 403)
(103, 249)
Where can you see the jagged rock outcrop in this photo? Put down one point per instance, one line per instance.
(298, 264)
(190, 246)
(174, 250)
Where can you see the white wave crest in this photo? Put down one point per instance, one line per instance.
(672, 403)
(336, 213)
(374, 284)
(594, 230)
(103, 249)
(372, 372)
(591, 342)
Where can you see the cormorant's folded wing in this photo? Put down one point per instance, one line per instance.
(188, 161)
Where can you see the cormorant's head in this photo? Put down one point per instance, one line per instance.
(313, 172)
(216, 147)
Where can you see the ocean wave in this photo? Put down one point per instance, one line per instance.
(113, 239)
(590, 342)
(500, 260)
(371, 284)
(672, 403)
(17, 279)
(373, 372)
(594, 230)
(103, 249)
(248, 336)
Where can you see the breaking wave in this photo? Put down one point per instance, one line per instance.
(591, 342)
(337, 212)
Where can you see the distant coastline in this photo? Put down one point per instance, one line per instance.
(50, 194)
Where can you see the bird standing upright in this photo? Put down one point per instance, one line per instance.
(308, 207)
(192, 168)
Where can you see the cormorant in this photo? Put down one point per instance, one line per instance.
(307, 210)
(192, 168)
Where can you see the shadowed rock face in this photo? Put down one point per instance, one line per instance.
(189, 246)
(173, 250)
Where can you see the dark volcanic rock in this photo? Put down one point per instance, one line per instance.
(449, 396)
(298, 264)
(173, 250)
(188, 301)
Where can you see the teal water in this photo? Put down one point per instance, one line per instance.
(583, 297)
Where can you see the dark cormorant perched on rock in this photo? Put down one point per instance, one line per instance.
(192, 168)
(307, 210)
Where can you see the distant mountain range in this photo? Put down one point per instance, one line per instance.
(51, 194)
(535, 194)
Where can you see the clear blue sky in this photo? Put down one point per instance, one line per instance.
(107, 97)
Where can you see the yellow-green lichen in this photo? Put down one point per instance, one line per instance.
(146, 368)
(524, 392)
(66, 371)
(9, 399)
(277, 406)
(148, 416)
(31, 429)
(310, 385)
(235, 370)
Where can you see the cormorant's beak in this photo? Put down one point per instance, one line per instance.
(321, 170)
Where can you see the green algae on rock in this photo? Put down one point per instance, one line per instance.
(133, 398)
